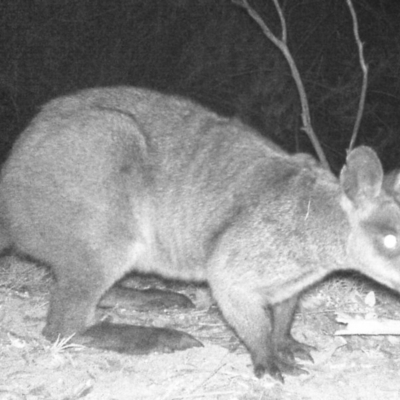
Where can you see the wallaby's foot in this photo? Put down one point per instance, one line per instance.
(276, 366)
(279, 358)
(134, 339)
(144, 300)
(289, 348)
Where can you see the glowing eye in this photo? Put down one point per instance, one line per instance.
(390, 241)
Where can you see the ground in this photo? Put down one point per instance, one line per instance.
(349, 368)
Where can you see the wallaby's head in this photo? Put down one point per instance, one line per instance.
(373, 210)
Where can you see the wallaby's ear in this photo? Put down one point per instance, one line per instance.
(361, 178)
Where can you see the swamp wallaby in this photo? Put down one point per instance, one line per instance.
(117, 179)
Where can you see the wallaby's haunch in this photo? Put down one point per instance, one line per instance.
(118, 179)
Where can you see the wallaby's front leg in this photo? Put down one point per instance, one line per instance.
(285, 346)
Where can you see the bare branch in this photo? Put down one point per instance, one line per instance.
(364, 69)
(283, 47)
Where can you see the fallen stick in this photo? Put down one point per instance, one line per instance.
(356, 326)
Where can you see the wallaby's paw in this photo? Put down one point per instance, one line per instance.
(290, 348)
(144, 299)
(276, 367)
(134, 339)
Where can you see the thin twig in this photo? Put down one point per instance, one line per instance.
(281, 43)
(283, 21)
(364, 68)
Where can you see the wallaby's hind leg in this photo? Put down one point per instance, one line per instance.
(133, 339)
(144, 299)
(72, 307)
(71, 310)
(285, 345)
(80, 282)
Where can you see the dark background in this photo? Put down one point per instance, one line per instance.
(211, 51)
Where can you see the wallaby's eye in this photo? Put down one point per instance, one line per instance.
(386, 237)
(390, 242)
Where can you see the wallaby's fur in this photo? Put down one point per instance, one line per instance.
(117, 179)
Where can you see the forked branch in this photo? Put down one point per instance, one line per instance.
(281, 43)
